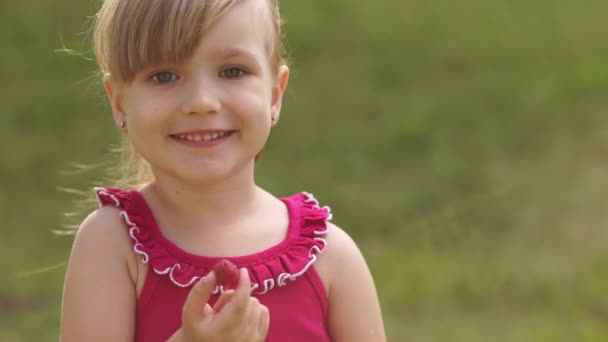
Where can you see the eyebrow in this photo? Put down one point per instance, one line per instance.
(236, 52)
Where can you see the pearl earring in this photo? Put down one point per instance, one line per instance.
(123, 124)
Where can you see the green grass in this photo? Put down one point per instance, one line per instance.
(463, 145)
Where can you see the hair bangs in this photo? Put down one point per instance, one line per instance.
(142, 33)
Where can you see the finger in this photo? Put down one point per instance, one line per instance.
(197, 299)
(264, 321)
(242, 293)
(235, 309)
(224, 298)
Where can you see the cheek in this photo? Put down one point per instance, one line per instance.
(251, 103)
(147, 111)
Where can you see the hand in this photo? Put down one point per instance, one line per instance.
(235, 317)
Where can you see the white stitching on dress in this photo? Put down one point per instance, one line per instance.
(162, 272)
(268, 285)
(144, 256)
(192, 281)
(125, 216)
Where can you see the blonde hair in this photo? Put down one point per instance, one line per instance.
(131, 35)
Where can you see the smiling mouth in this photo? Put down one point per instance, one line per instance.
(200, 137)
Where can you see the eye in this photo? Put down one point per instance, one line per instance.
(164, 77)
(233, 72)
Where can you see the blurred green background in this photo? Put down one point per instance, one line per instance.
(463, 144)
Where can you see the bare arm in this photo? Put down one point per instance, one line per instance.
(99, 292)
(354, 309)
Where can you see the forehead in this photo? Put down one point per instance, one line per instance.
(245, 28)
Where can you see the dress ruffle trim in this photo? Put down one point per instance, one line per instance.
(276, 271)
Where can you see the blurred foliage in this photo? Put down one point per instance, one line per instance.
(462, 144)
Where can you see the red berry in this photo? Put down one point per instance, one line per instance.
(226, 273)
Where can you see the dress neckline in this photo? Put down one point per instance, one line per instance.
(208, 261)
(275, 266)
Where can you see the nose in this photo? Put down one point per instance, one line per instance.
(201, 97)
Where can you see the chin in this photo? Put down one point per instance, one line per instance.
(209, 171)
(205, 175)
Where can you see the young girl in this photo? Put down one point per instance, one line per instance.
(196, 86)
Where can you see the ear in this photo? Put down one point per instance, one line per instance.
(114, 96)
(278, 90)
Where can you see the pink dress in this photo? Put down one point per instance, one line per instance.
(283, 277)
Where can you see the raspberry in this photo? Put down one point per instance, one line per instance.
(226, 273)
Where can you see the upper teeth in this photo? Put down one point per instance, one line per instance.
(202, 137)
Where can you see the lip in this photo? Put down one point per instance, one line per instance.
(203, 131)
(179, 137)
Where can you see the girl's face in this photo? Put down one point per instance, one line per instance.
(208, 118)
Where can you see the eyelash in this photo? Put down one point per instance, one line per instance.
(154, 77)
(175, 77)
(240, 70)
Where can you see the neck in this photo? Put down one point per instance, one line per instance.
(204, 205)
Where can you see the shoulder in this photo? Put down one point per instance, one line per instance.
(339, 256)
(103, 235)
(107, 226)
(102, 225)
